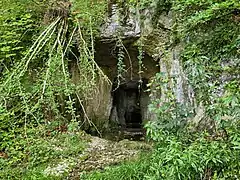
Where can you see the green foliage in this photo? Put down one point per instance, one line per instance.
(187, 156)
(140, 59)
(16, 27)
(90, 14)
(36, 89)
(170, 114)
(210, 34)
(211, 53)
(121, 67)
(38, 95)
(36, 86)
(11, 44)
(32, 149)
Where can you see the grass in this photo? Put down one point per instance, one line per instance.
(186, 156)
(28, 158)
(126, 171)
(179, 158)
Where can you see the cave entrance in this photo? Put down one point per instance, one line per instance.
(132, 114)
(127, 102)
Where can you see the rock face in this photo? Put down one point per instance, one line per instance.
(159, 45)
(118, 25)
(125, 102)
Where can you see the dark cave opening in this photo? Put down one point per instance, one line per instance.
(127, 102)
(132, 115)
(133, 119)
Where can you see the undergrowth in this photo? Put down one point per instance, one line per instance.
(39, 42)
(32, 152)
(183, 156)
(42, 106)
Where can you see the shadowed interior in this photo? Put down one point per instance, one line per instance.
(127, 100)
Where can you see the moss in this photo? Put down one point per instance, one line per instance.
(134, 145)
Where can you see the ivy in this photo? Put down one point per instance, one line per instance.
(36, 87)
(211, 36)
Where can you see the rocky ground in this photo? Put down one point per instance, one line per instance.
(99, 154)
(102, 153)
